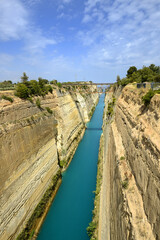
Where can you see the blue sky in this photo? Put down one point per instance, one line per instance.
(68, 40)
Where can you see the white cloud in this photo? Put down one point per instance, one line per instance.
(16, 25)
(66, 1)
(13, 20)
(90, 4)
(35, 42)
(127, 30)
(87, 18)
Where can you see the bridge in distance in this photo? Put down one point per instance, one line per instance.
(85, 83)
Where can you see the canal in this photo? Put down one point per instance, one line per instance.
(71, 211)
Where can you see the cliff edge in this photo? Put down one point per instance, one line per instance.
(130, 193)
(36, 141)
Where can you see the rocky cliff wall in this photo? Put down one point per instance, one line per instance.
(133, 155)
(33, 143)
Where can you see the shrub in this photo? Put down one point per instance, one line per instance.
(34, 87)
(63, 163)
(22, 91)
(50, 89)
(91, 228)
(53, 82)
(38, 103)
(147, 97)
(125, 183)
(30, 99)
(49, 110)
(59, 84)
(109, 110)
(7, 98)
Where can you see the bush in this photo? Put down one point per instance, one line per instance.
(22, 91)
(50, 89)
(59, 84)
(91, 228)
(49, 110)
(38, 103)
(30, 99)
(125, 183)
(147, 97)
(7, 98)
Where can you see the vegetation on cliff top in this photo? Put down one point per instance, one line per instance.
(6, 85)
(7, 98)
(27, 89)
(145, 74)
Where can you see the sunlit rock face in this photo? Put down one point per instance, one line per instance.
(33, 142)
(133, 155)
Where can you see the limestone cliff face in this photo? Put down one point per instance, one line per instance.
(32, 144)
(133, 155)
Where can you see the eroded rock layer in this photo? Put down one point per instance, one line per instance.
(133, 178)
(33, 143)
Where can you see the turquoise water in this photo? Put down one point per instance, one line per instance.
(71, 210)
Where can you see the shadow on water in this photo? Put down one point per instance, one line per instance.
(100, 129)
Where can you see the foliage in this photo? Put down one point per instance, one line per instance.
(6, 85)
(24, 78)
(59, 84)
(110, 107)
(145, 74)
(154, 68)
(131, 70)
(49, 110)
(7, 98)
(28, 231)
(63, 163)
(31, 88)
(92, 111)
(125, 183)
(91, 228)
(54, 82)
(148, 96)
(50, 89)
(22, 91)
(30, 99)
(38, 103)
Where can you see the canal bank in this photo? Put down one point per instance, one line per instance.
(71, 210)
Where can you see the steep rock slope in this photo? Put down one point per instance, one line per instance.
(133, 155)
(33, 143)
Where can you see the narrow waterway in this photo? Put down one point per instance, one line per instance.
(71, 210)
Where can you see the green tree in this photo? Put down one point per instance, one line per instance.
(59, 84)
(157, 78)
(118, 80)
(147, 74)
(131, 70)
(24, 78)
(154, 68)
(22, 91)
(53, 82)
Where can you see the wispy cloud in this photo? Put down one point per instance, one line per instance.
(127, 30)
(13, 23)
(66, 1)
(16, 25)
